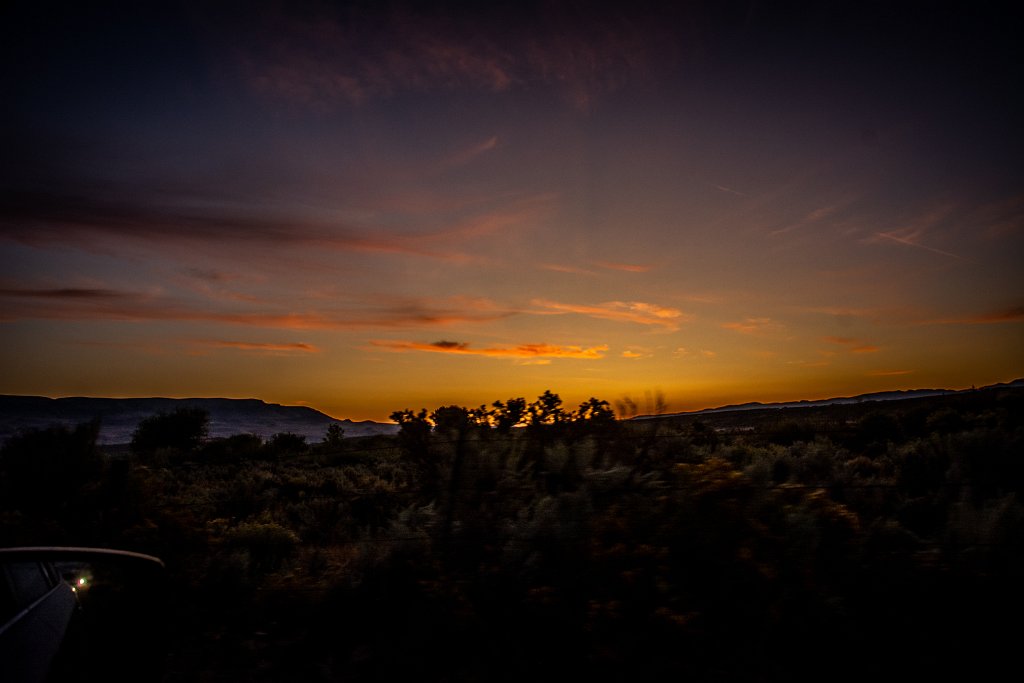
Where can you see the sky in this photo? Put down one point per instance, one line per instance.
(369, 206)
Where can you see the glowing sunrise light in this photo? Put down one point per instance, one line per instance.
(468, 203)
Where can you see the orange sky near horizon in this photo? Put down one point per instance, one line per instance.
(365, 210)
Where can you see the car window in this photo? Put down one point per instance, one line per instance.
(22, 584)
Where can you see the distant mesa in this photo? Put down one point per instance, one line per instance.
(844, 400)
(228, 416)
(120, 416)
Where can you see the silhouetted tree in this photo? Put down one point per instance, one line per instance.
(481, 417)
(450, 420)
(594, 413)
(546, 410)
(334, 437)
(509, 414)
(413, 430)
(414, 439)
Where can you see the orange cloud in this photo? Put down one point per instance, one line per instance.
(635, 352)
(626, 267)
(810, 363)
(519, 212)
(852, 345)
(845, 311)
(753, 326)
(625, 311)
(866, 348)
(531, 351)
(889, 373)
(264, 347)
(683, 352)
(559, 268)
(1013, 314)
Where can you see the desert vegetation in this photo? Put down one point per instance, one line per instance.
(531, 541)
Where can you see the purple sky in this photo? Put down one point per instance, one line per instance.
(371, 206)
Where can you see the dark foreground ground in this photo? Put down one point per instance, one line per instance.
(782, 545)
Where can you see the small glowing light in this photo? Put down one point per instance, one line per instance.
(81, 581)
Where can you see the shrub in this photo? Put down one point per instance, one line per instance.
(182, 430)
(268, 543)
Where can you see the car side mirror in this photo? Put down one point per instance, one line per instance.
(71, 613)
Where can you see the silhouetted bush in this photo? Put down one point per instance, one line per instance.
(284, 444)
(268, 544)
(47, 466)
(182, 431)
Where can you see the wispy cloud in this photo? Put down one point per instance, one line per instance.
(529, 351)
(845, 311)
(810, 363)
(1006, 315)
(53, 217)
(261, 347)
(811, 218)
(683, 352)
(865, 348)
(1011, 314)
(606, 265)
(637, 352)
(624, 311)
(852, 345)
(465, 156)
(561, 268)
(318, 64)
(209, 275)
(912, 238)
(43, 218)
(514, 212)
(754, 326)
(65, 294)
(323, 61)
(889, 373)
(70, 304)
(1000, 220)
(914, 233)
(625, 267)
(723, 188)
